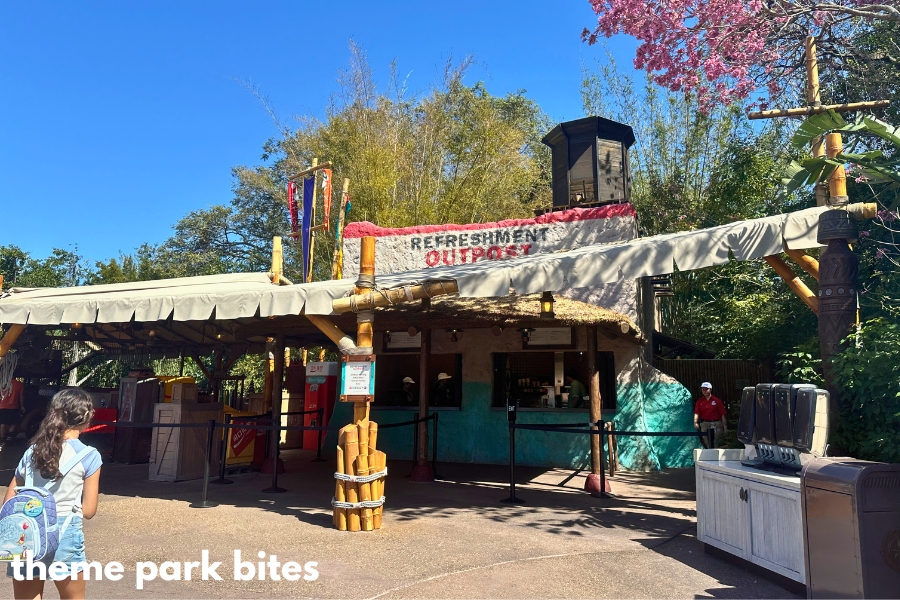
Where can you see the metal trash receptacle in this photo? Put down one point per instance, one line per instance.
(851, 528)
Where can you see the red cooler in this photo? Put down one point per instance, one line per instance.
(321, 391)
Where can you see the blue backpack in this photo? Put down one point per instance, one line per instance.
(28, 525)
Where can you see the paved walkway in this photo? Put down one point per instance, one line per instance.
(449, 539)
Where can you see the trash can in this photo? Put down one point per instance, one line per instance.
(851, 528)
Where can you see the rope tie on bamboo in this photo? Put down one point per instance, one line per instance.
(361, 478)
(364, 504)
(407, 289)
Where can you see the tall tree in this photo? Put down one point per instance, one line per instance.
(725, 50)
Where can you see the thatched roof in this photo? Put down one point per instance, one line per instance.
(506, 311)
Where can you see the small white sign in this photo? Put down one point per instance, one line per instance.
(550, 336)
(358, 379)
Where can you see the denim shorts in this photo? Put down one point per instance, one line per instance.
(70, 551)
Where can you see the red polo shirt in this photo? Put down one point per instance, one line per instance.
(709, 410)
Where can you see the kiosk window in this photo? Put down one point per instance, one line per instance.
(531, 376)
(391, 369)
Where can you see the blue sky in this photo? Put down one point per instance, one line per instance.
(117, 118)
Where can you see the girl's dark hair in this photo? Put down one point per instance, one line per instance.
(69, 408)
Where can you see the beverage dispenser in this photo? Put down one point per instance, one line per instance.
(321, 391)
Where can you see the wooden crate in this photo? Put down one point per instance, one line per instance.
(179, 454)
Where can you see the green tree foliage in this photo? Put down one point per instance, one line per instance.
(867, 373)
(693, 171)
(62, 267)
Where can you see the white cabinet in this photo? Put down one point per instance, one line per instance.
(752, 514)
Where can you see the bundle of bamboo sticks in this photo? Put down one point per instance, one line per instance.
(357, 455)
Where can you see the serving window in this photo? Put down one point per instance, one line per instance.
(538, 379)
(391, 369)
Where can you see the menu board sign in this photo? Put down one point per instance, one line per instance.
(550, 337)
(401, 340)
(358, 378)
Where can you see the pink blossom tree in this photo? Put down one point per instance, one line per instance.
(725, 50)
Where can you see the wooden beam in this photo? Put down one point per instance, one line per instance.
(196, 358)
(805, 261)
(373, 299)
(794, 282)
(10, 337)
(815, 110)
(334, 333)
(315, 167)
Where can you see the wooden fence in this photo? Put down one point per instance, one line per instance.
(728, 377)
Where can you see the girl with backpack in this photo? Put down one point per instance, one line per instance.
(62, 465)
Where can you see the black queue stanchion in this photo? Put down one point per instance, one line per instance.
(511, 411)
(320, 418)
(223, 454)
(434, 440)
(204, 494)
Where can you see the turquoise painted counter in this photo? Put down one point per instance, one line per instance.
(478, 434)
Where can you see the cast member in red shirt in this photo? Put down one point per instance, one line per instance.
(709, 414)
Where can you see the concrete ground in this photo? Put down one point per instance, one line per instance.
(448, 539)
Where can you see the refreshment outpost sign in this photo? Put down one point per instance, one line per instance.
(424, 246)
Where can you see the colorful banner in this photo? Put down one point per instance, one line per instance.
(326, 196)
(292, 205)
(309, 186)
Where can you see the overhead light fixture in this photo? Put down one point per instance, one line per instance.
(219, 336)
(152, 333)
(387, 336)
(525, 331)
(547, 303)
(454, 334)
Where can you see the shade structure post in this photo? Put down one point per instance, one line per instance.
(422, 470)
(595, 483)
(275, 439)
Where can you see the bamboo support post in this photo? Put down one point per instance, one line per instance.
(277, 270)
(332, 331)
(805, 262)
(837, 182)
(594, 395)
(371, 299)
(795, 283)
(351, 451)
(9, 338)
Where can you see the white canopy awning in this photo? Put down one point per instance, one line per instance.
(243, 295)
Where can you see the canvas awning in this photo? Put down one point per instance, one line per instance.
(246, 295)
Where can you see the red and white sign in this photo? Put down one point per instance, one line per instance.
(425, 246)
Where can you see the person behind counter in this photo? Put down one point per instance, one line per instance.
(577, 392)
(11, 410)
(443, 394)
(409, 391)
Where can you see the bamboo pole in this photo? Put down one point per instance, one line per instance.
(277, 270)
(315, 167)
(815, 110)
(332, 331)
(369, 299)
(364, 319)
(351, 451)
(594, 395)
(9, 338)
(381, 461)
(805, 262)
(795, 283)
(837, 182)
(337, 262)
(365, 492)
(340, 488)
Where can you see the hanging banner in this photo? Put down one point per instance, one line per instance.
(427, 246)
(292, 206)
(326, 196)
(309, 186)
